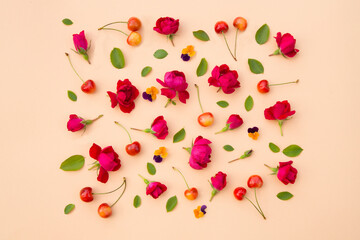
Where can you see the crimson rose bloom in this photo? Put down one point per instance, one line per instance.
(167, 26)
(280, 112)
(108, 160)
(218, 182)
(286, 44)
(224, 78)
(287, 173)
(200, 153)
(75, 123)
(159, 128)
(174, 82)
(81, 45)
(155, 189)
(234, 121)
(125, 95)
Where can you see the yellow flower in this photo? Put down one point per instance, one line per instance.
(161, 152)
(153, 91)
(198, 213)
(254, 135)
(189, 50)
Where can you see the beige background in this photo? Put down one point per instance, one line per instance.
(35, 76)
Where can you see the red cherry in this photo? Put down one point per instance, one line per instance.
(240, 23)
(133, 148)
(134, 39)
(88, 86)
(191, 193)
(134, 24)
(263, 86)
(255, 181)
(206, 119)
(239, 193)
(104, 210)
(221, 26)
(86, 194)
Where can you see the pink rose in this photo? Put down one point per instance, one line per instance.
(286, 44)
(287, 173)
(155, 189)
(75, 123)
(234, 121)
(219, 181)
(280, 111)
(125, 95)
(166, 25)
(159, 128)
(224, 78)
(108, 160)
(200, 153)
(81, 45)
(174, 82)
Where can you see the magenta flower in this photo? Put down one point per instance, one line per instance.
(285, 172)
(218, 182)
(81, 45)
(174, 82)
(200, 153)
(154, 189)
(224, 78)
(286, 44)
(167, 26)
(77, 123)
(158, 128)
(234, 121)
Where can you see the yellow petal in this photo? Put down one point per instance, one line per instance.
(184, 51)
(191, 53)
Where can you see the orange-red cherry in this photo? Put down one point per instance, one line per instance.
(240, 23)
(104, 210)
(263, 86)
(134, 39)
(88, 86)
(134, 24)
(86, 194)
(133, 148)
(239, 193)
(255, 181)
(221, 26)
(206, 119)
(191, 193)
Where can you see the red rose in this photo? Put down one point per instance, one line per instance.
(286, 173)
(218, 182)
(280, 112)
(125, 95)
(159, 128)
(166, 25)
(224, 78)
(286, 44)
(155, 189)
(174, 83)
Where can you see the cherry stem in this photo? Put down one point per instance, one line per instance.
(198, 94)
(121, 193)
(236, 34)
(182, 177)
(67, 55)
(124, 129)
(111, 24)
(276, 84)
(145, 180)
(114, 30)
(228, 46)
(255, 207)
(259, 204)
(280, 122)
(110, 191)
(100, 116)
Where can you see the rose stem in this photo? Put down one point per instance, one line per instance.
(111, 24)
(228, 46)
(284, 83)
(110, 191)
(114, 30)
(256, 207)
(121, 194)
(168, 101)
(67, 55)
(259, 204)
(236, 34)
(145, 180)
(124, 129)
(198, 94)
(214, 191)
(234, 160)
(170, 36)
(100, 116)
(182, 177)
(137, 129)
(280, 122)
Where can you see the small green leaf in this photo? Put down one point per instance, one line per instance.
(171, 203)
(292, 150)
(72, 96)
(249, 103)
(179, 136)
(255, 66)
(68, 209)
(223, 104)
(160, 54)
(274, 148)
(137, 201)
(284, 196)
(202, 68)
(73, 163)
(201, 35)
(117, 58)
(67, 21)
(146, 70)
(228, 148)
(151, 168)
(262, 35)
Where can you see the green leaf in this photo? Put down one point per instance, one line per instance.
(249, 103)
(72, 96)
(179, 136)
(202, 68)
(151, 168)
(201, 35)
(160, 54)
(262, 35)
(146, 70)
(228, 148)
(171, 203)
(137, 201)
(67, 21)
(274, 148)
(284, 196)
(73, 163)
(255, 66)
(68, 209)
(117, 58)
(292, 150)
(223, 104)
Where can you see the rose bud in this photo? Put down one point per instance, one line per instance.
(154, 189)
(199, 153)
(158, 128)
(285, 172)
(81, 45)
(286, 44)
(234, 121)
(280, 112)
(218, 182)
(167, 26)
(77, 123)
